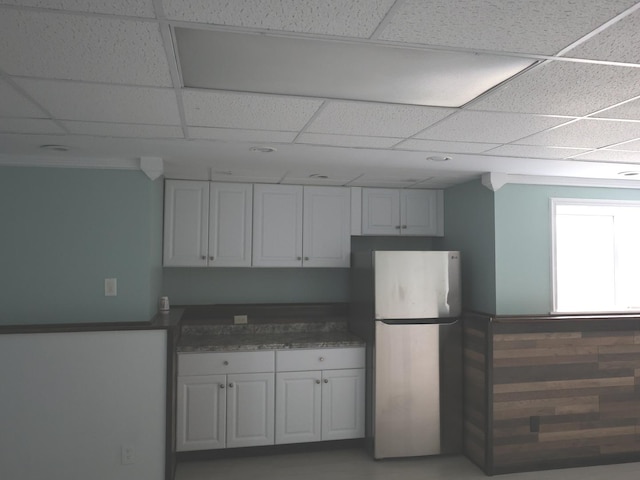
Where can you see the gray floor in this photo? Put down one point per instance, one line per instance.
(356, 465)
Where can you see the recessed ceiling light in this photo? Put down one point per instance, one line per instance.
(55, 148)
(438, 158)
(318, 175)
(263, 149)
(629, 173)
(223, 172)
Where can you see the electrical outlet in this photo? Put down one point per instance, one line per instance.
(110, 287)
(128, 455)
(240, 319)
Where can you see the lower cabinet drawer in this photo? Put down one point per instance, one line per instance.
(217, 363)
(319, 359)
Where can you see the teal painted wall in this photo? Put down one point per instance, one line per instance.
(469, 227)
(523, 243)
(64, 231)
(202, 286)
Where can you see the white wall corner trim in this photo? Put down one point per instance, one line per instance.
(494, 181)
(152, 167)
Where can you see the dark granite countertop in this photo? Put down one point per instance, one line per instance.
(273, 336)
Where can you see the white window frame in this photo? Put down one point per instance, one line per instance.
(554, 203)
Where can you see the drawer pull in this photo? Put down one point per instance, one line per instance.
(321, 359)
(225, 363)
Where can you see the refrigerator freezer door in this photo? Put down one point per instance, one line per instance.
(407, 390)
(416, 285)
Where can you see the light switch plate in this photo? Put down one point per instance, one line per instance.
(240, 319)
(110, 287)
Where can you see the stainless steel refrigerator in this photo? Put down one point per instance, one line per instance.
(406, 305)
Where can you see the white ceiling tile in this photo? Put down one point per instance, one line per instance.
(239, 135)
(132, 8)
(104, 103)
(349, 18)
(246, 111)
(375, 119)
(633, 146)
(468, 126)
(564, 88)
(586, 134)
(444, 181)
(347, 140)
(543, 27)
(619, 43)
(530, 151)
(222, 174)
(317, 178)
(611, 156)
(123, 130)
(29, 126)
(446, 147)
(79, 47)
(626, 111)
(14, 104)
(389, 181)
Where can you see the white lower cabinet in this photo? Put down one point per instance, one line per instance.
(201, 412)
(217, 408)
(314, 405)
(223, 401)
(250, 409)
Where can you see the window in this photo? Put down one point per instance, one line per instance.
(596, 255)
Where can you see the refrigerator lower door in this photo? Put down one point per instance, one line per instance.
(406, 403)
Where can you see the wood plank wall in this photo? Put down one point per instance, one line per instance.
(565, 393)
(475, 339)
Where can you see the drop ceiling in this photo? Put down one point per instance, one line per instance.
(356, 92)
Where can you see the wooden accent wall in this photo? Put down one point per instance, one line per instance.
(564, 393)
(475, 338)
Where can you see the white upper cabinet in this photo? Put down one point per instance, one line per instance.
(380, 211)
(186, 223)
(230, 225)
(402, 212)
(297, 226)
(207, 224)
(277, 226)
(421, 212)
(327, 223)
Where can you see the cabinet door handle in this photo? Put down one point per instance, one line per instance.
(326, 380)
(203, 257)
(298, 258)
(212, 257)
(225, 363)
(318, 382)
(397, 227)
(321, 359)
(230, 384)
(306, 259)
(222, 386)
(404, 226)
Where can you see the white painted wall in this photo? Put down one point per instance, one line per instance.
(69, 401)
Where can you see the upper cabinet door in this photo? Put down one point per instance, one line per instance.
(420, 212)
(231, 206)
(277, 225)
(186, 223)
(380, 211)
(327, 224)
